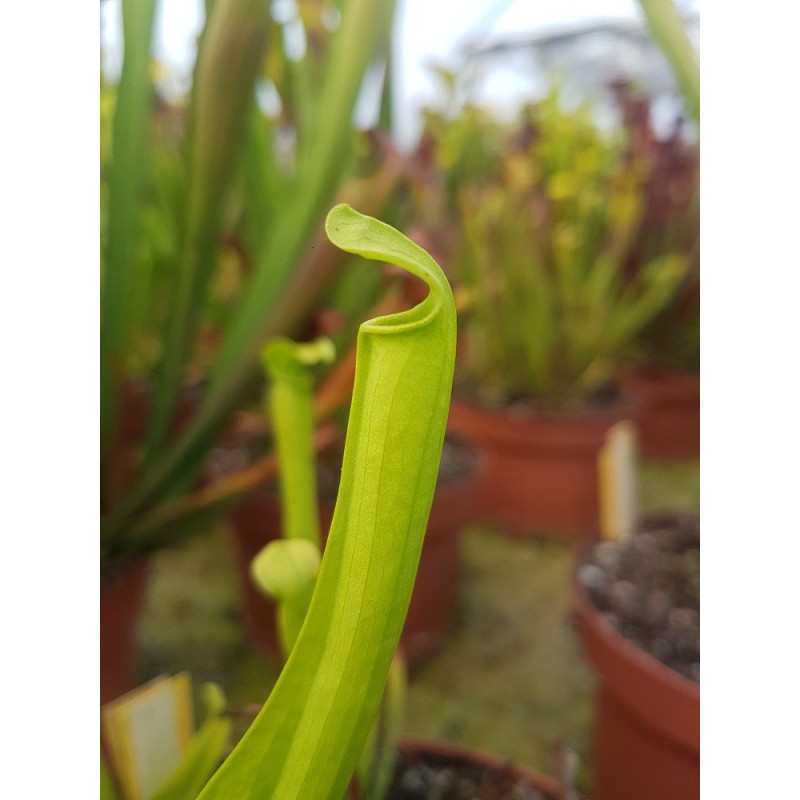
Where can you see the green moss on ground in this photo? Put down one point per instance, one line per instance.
(511, 679)
(669, 485)
(192, 621)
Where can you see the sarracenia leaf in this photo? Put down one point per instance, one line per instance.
(307, 740)
(228, 62)
(127, 183)
(285, 285)
(290, 408)
(667, 28)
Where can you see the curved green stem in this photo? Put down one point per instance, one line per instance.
(127, 183)
(234, 42)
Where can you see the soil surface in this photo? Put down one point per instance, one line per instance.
(649, 589)
(459, 459)
(418, 779)
(601, 398)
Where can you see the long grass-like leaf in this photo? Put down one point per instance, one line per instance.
(263, 184)
(127, 180)
(222, 101)
(305, 287)
(278, 275)
(667, 28)
(321, 165)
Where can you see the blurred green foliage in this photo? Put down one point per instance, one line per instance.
(540, 219)
(211, 230)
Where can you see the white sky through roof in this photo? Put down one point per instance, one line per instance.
(425, 31)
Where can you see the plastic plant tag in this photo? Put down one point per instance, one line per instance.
(146, 732)
(616, 464)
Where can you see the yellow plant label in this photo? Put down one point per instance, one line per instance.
(616, 465)
(146, 731)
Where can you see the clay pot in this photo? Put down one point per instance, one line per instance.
(647, 720)
(121, 598)
(256, 520)
(542, 472)
(498, 774)
(669, 412)
(122, 584)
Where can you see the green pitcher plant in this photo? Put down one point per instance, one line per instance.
(309, 737)
(287, 567)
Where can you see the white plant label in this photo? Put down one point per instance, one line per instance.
(616, 467)
(146, 731)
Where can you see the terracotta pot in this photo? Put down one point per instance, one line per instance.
(256, 520)
(497, 772)
(669, 412)
(121, 598)
(542, 471)
(122, 586)
(647, 722)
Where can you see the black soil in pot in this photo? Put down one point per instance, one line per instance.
(459, 459)
(648, 588)
(427, 777)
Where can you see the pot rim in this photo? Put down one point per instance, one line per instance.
(547, 435)
(624, 406)
(445, 750)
